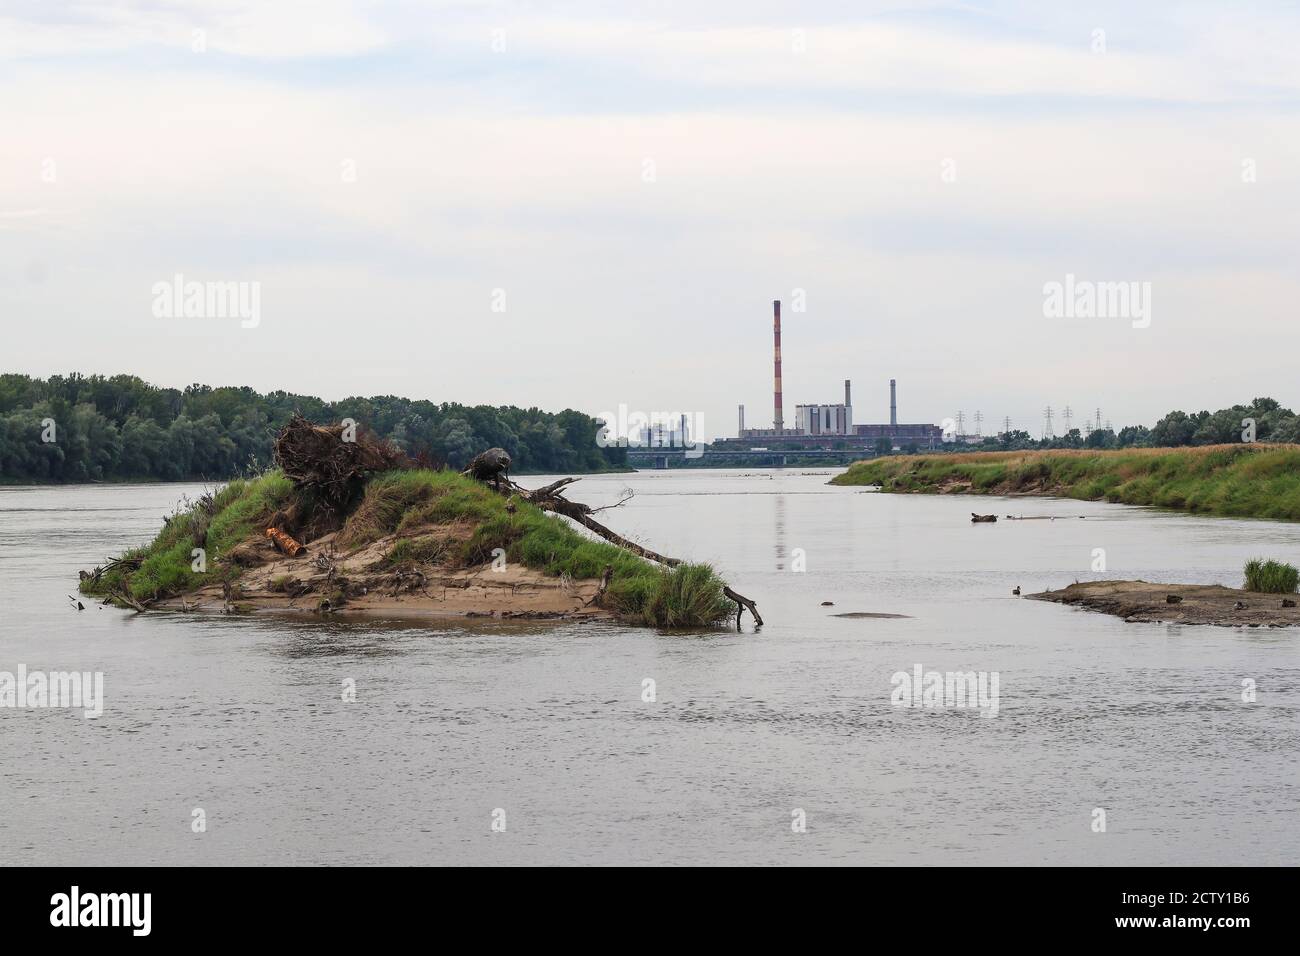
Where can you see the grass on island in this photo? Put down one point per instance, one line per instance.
(410, 503)
(1240, 481)
(1271, 577)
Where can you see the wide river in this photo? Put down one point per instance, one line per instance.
(547, 730)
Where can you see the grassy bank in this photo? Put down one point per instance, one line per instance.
(441, 518)
(1240, 481)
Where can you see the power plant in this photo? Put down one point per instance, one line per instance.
(826, 426)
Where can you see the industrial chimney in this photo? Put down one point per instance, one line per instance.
(776, 364)
(848, 398)
(741, 433)
(893, 403)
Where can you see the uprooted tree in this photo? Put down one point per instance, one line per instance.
(329, 465)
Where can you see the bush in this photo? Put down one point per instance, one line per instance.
(1271, 577)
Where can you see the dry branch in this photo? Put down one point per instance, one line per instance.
(551, 498)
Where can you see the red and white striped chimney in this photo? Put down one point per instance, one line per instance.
(776, 364)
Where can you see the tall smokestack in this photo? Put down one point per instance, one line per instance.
(776, 364)
(893, 402)
(741, 433)
(848, 397)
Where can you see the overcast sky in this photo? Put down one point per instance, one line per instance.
(641, 186)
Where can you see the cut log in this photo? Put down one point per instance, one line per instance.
(284, 542)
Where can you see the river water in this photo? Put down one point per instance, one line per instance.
(546, 728)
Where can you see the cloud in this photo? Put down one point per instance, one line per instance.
(826, 170)
(245, 28)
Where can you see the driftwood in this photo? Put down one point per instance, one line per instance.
(742, 602)
(129, 564)
(980, 519)
(551, 498)
(121, 596)
(605, 578)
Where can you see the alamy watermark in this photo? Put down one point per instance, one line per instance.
(180, 299)
(127, 910)
(1085, 299)
(41, 689)
(943, 690)
(637, 429)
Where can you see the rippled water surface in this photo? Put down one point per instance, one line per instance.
(242, 716)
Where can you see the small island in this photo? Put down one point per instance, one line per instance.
(347, 523)
(1267, 599)
(1144, 602)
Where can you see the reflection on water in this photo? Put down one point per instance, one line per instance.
(247, 717)
(779, 529)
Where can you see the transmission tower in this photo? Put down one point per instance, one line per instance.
(979, 422)
(961, 423)
(1006, 425)
(1099, 419)
(1068, 415)
(1047, 422)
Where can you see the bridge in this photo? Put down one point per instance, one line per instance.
(662, 458)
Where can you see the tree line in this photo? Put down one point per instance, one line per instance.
(93, 427)
(1271, 423)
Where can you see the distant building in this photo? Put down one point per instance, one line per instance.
(828, 425)
(925, 436)
(824, 419)
(662, 435)
(815, 424)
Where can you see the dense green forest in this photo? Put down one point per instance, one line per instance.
(94, 427)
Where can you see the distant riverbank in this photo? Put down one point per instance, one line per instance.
(1240, 481)
(6, 482)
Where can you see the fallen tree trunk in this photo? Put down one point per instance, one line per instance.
(550, 498)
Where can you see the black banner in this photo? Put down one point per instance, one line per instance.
(1222, 905)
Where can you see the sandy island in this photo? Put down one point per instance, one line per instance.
(359, 582)
(1143, 602)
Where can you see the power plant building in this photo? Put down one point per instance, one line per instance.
(816, 424)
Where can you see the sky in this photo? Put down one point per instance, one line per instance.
(590, 205)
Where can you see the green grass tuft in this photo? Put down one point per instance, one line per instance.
(166, 565)
(1271, 577)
